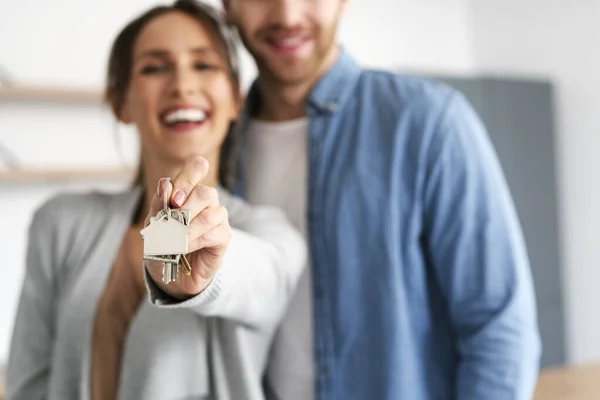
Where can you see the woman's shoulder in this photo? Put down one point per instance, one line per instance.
(64, 201)
(67, 218)
(67, 225)
(66, 206)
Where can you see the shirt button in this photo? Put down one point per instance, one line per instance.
(332, 106)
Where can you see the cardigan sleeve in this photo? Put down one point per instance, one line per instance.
(260, 270)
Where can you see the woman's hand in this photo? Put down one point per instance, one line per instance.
(210, 231)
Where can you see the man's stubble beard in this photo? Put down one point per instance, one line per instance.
(310, 69)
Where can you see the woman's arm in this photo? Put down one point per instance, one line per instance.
(259, 273)
(32, 338)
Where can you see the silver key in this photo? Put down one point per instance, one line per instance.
(183, 216)
(170, 271)
(166, 238)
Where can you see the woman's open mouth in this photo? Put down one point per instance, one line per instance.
(183, 119)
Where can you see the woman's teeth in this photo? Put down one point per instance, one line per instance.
(189, 115)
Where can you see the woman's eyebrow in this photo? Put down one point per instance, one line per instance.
(203, 49)
(161, 53)
(153, 53)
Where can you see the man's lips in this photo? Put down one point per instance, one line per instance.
(287, 43)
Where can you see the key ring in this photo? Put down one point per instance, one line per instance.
(165, 201)
(165, 210)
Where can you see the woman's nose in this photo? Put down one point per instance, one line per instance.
(185, 84)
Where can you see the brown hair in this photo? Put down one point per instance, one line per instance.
(120, 60)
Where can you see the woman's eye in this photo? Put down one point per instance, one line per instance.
(203, 66)
(152, 69)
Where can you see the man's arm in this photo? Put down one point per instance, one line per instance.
(476, 248)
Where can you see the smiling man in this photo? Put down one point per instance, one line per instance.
(419, 285)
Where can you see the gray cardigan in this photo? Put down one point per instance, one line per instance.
(213, 346)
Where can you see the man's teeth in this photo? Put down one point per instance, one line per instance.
(289, 42)
(185, 116)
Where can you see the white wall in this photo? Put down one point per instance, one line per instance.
(560, 40)
(66, 42)
(423, 35)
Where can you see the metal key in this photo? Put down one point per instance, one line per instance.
(183, 216)
(186, 267)
(166, 241)
(171, 271)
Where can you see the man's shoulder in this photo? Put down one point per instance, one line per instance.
(397, 89)
(424, 104)
(422, 110)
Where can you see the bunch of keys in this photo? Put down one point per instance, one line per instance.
(166, 240)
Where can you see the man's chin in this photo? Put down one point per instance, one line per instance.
(287, 78)
(290, 73)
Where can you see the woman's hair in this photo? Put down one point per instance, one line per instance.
(120, 65)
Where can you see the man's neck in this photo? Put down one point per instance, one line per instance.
(284, 102)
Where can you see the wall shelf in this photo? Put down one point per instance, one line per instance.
(40, 175)
(49, 94)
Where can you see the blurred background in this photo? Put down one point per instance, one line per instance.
(531, 68)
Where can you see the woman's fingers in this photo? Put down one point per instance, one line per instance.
(190, 176)
(216, 238)
(201, 198)
(207, 220)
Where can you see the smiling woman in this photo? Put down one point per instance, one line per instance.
(152, 72)
(95, 320)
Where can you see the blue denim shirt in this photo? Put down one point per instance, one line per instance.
(421, 282)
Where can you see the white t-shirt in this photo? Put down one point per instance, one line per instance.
(276, 173)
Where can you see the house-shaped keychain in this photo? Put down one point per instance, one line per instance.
(166, 235)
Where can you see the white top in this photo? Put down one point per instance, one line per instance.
(212, 346)
(276, 173)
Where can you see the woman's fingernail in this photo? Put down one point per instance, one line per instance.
(159, 189)
(178, 198)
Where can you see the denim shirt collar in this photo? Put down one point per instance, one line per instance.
(335, 87)
(326, 97)
(330, 91)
